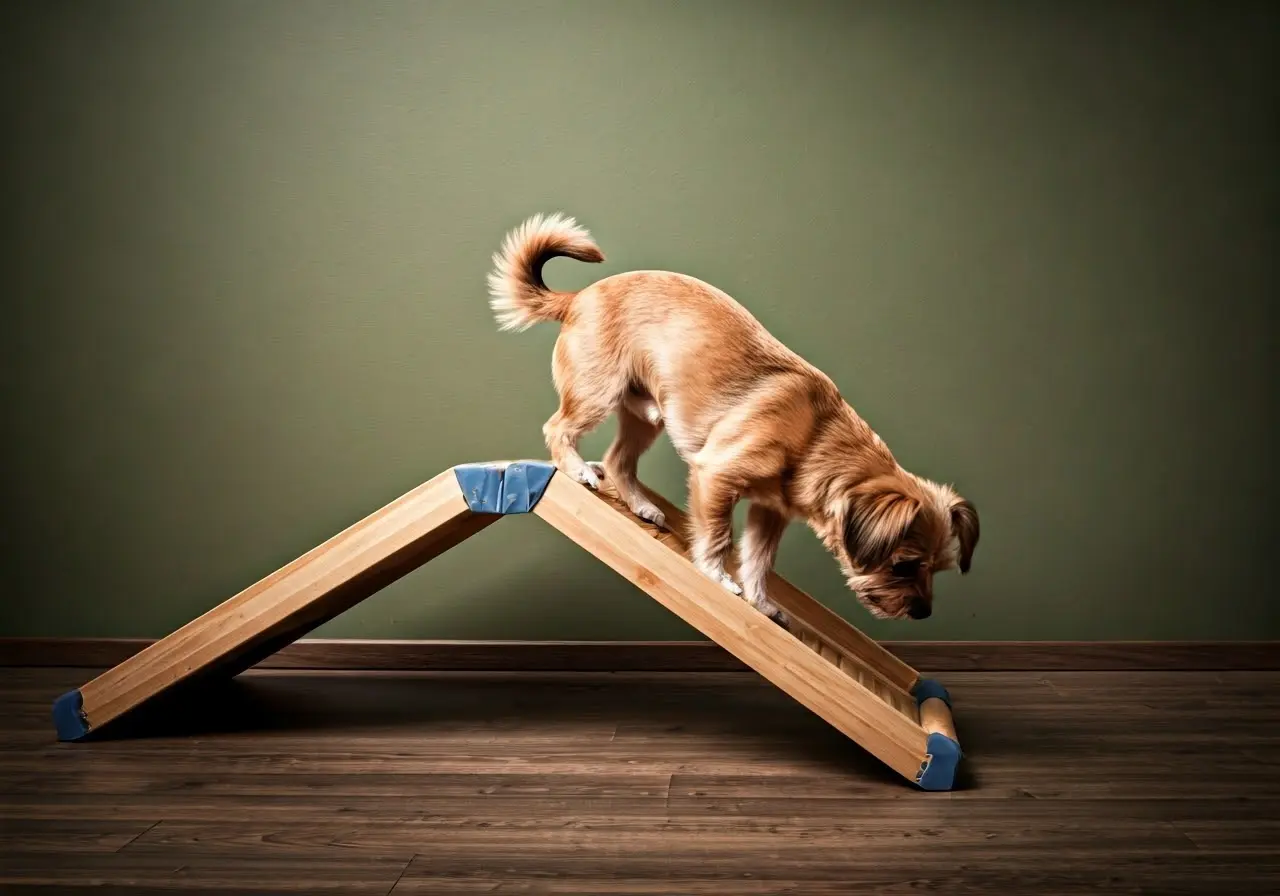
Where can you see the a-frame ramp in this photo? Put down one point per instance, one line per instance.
(821, 661)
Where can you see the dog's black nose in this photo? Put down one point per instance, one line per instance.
(919, 609)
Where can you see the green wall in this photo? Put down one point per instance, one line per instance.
(245, 248)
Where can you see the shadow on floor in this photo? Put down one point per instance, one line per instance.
(737, 713)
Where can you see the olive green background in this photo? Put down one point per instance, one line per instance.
(245, 250)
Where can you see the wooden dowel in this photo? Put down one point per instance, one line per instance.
(936, 718)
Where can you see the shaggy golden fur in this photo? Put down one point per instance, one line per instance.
(752, 419)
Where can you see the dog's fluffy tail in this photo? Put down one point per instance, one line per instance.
(517, 295)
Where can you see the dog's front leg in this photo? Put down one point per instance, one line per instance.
(712, 496)
(758, 551)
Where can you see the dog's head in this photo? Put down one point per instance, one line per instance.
(893, 533)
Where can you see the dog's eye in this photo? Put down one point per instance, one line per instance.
(906, 569)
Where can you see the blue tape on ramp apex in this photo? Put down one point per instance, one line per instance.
(68, 716)
(504, 488)
(926, 688)
(523, 485)
(939, 769)
(481, 485)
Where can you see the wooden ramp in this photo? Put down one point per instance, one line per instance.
(820, 660)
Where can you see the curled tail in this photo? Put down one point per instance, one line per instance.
(517, 295)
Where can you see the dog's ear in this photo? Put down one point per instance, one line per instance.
(964, 525)
(879, 517)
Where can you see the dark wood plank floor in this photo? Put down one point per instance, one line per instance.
(1164, 783)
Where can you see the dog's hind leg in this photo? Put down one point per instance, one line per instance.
(570, 423)
(633, 439)
(584, 405)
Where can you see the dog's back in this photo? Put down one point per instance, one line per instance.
(690, 347)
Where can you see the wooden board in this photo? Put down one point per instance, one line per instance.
(861, 653)
(656, 561)
(292, 601)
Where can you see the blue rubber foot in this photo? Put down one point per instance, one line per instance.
(68, 716)
(938, 772)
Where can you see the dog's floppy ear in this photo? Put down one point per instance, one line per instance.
(964, 525)
(878, 519)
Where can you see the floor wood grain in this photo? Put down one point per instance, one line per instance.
(289, 781)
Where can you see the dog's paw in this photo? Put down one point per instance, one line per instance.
(762, 603)
(766, 606)
(758, 596)
(729, 584)
(650, 514)
(717, 574)
(596, 467)
(587, 477)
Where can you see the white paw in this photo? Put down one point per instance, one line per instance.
(729, 584)
(650, 514)
(758, 598)
(596, 467)
(767, 607)
(587, 477)
(717, 574)
(774, 612)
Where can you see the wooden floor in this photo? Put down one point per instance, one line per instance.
(1162, 783)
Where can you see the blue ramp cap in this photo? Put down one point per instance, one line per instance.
(504, 488)
(68, 716)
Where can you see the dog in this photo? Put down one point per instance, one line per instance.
(750, 418)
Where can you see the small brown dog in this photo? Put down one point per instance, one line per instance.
(752, 420)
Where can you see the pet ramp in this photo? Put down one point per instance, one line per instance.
(821, 661)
